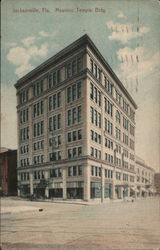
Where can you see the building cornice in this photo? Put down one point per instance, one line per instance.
(82, 41)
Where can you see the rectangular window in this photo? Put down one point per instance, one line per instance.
(91, 91)
(74, 152)
(74, 135)
(74, 115)
(79, 114)
(80, 171)
(68, 94)
(69, 137)
(79, 151)
(79, 64)
(54, 78)
(74, 67)
(69, 154)
(79, 90)
(59, 155)
(92, 115)
(59, 121)
(58, 76)
(95, 94)
(79, 134)
(54, 101)
(74, 92)
(59, 99)
(50, 103)
(68, 70)
(74, 170)
(69, 117)
(54, 122)
(91, 65)
(59, 140)
(69, 171)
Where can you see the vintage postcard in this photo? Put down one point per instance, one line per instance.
(80, 133)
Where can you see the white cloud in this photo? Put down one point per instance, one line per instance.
(18, 56)
(124, 32)
(21, 57)
(121, 15)
(136, 62)
(28, 40)
(47, 34)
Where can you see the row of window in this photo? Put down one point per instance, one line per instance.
(38, 175)
(57, 155)
(54, 101)
(108, 126)
(39, 145)
(75, 170)
(74, 152)
(24, 134)
(38, 88)
(24, 149)
(38, 128)
(74, 67)
(125, 177)
(24, 116)
(23, 97)
(38, 109)
(95, 153)
(95, 117)
(109, 158)
(74, 115)
(96, 171)
(97, 72)
(55, 122)
(108, 143)
(74, 135)
(95, 137)
(24, 162)
(108, 106)
(54, 78)
(74, 92)
(24, 176)
(55, 141)
(95, 94)
(38, 159)
(56, 173)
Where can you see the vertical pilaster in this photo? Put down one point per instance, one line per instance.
(86, 182)
(31, 182)
(46, 176)
(129, 191)
(121, 194)
(64, 174)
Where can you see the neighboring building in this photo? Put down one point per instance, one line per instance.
(8, 171)
(157, 183)
(144, 178)
(76, 128)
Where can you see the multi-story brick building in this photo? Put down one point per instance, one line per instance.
(76, 127)
(8, 171)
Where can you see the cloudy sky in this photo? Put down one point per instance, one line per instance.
(125, 32)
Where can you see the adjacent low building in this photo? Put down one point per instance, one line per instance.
(157, 183)
(144, 179)
(8, 171)
(76, 128)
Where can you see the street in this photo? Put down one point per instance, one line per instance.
(112, 225)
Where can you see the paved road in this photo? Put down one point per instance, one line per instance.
(114, 225)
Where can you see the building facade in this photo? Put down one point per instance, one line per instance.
(144, 178)
(76, 128)
(8, 171)
(157, 183)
